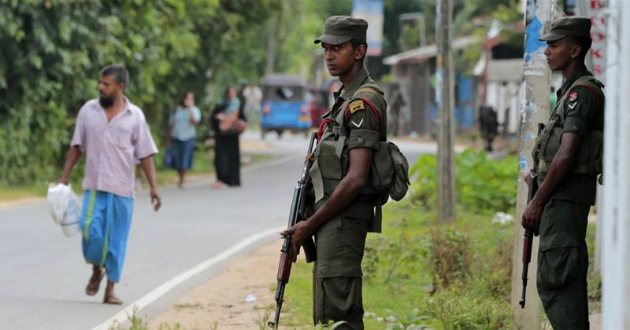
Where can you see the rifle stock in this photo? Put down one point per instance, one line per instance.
(296, 215)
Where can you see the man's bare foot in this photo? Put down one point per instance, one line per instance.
(95, 280)
(110, 297)
(217, 185)
(112, 300)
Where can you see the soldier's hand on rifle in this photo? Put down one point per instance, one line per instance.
(301, 232)
(527, 178)
(532, 214)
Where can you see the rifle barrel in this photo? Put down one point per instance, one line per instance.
(284, 268)
(522, 302)
(279, 299)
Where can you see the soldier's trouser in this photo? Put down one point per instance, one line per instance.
(337, 283)
(563, 265)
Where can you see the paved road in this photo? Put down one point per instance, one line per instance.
(43, 275)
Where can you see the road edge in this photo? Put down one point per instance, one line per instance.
(123, 315)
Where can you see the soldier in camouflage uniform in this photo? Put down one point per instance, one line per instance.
(348, 139)
(568, 155)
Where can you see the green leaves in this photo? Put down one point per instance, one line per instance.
(53, 52)
(483, 185)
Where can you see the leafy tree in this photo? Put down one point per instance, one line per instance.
(53, 51)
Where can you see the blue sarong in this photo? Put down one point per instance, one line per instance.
(105, 222)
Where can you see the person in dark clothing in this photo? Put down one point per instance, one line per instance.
(397, 102)
(241, 97)
(488, 125)
(227, 160)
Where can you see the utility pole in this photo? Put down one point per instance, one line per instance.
(272, 27)
(446, 117)
(616, 209)
(534, 109)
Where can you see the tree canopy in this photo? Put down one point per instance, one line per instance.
(53, 52)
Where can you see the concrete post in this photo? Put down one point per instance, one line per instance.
(616, 207)
(534, 110)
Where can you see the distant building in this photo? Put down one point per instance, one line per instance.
(499, 76)
(415, 74)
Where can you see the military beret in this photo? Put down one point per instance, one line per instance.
(568, 27)
(340, 29)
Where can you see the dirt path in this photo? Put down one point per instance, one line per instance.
(221, 303)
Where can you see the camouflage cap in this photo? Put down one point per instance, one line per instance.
(568, 27)
(340, 29)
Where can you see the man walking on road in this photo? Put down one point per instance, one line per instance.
(349, 136)
(114, 135)
(568, 158)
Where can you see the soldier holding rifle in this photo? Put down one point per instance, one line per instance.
(348, 138)
(568, 156)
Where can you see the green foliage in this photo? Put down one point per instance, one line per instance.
(475, 17)
(448, 256)
(398, 252)
(458, 278)
(482, 185)
(422, 275)
(461, 309)
(53, 52)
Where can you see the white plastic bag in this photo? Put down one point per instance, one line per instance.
(64, 208)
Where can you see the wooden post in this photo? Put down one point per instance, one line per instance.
(616, 209)
(534, 109)
(446, 126)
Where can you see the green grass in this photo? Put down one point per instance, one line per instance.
(399, 274)
(203, 165)
(10, 193)
(406, 267)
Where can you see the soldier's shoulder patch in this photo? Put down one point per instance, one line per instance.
(573, 96)
(356, 106)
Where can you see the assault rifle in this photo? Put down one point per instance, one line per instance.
(297, 214)
(528, 238)
(530, 232)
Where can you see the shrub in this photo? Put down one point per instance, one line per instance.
(387, 259)
(448, 255)
(483, 185)
(458, 309)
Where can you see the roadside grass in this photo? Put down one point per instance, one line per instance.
(203, 166)
(137, 322)
(10, 193)
(419, 274)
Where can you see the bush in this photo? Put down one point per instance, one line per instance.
(53, 52)
(389, 259)
(459, 309)
(448, 255)
(483, 185)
